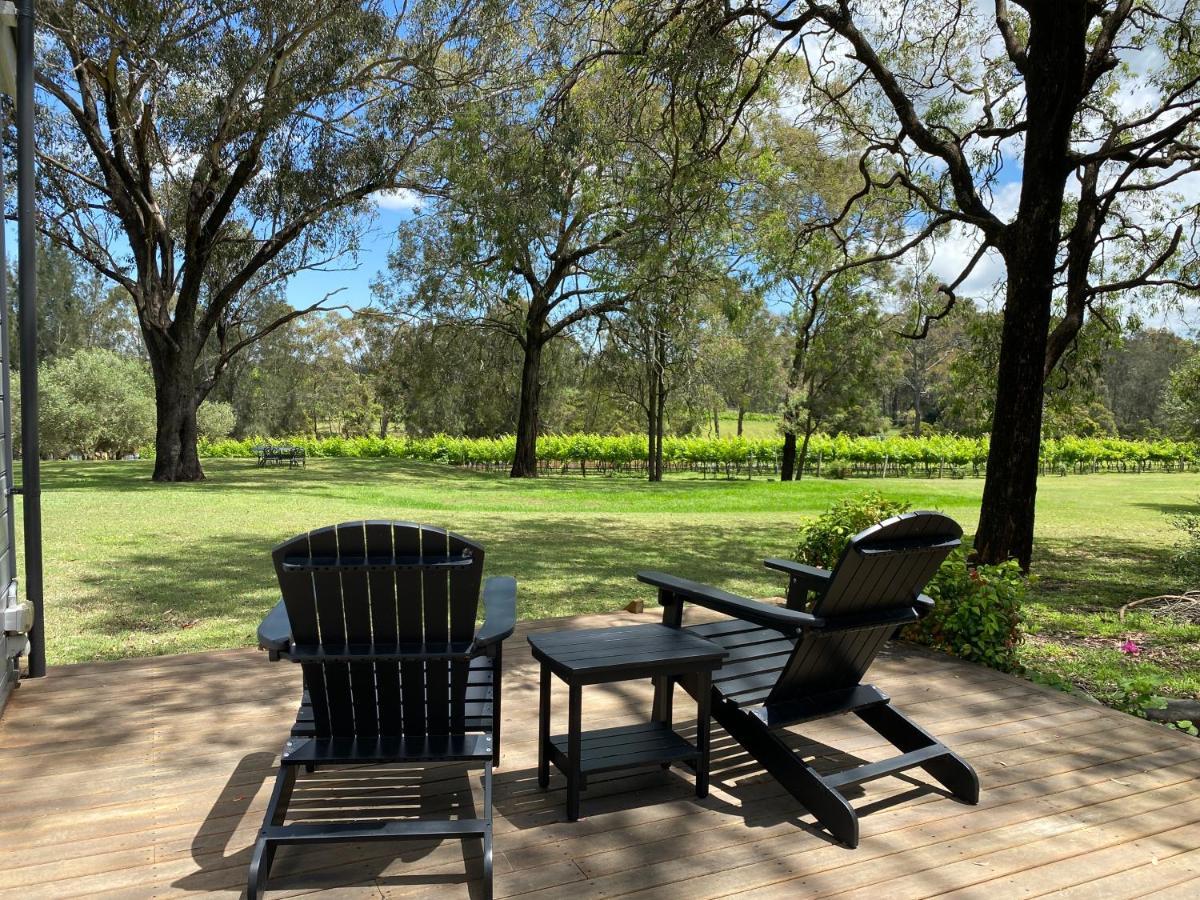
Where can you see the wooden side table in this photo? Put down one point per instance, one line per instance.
(605, 656)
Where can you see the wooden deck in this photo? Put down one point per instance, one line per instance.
(148, 778)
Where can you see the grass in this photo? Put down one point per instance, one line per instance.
(755, 426)
(134, 568)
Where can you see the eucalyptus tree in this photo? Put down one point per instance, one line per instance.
(199, 153)
(656, 347)
(545, 199)
(1136, 374)
(743, 356)
(827, 280)
(1058, 135)
(1181, 400)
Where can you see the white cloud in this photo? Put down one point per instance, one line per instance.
(400, 199)
(951, 255)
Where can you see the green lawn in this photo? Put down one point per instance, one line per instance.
(754, 429)
(134, 568)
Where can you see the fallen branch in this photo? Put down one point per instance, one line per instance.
(1186, 596)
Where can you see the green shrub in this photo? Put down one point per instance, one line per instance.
(215, 419)
(934, 454)
(1187, 551)
(95, 403)
(976, 612)
(977, 609)
(823, 540)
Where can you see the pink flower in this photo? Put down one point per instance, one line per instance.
(1129, 648)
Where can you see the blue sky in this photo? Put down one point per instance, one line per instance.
(308, 287)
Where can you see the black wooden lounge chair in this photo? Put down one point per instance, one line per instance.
(381, 618)
(793, 664)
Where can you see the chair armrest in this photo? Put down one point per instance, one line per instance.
(922, 605)
(814, 578)
(765, 614)
(275, 632)
(499, 611)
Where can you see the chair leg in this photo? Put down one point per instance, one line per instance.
(496, 692)
(264, 850)
(829, 807)
(487, 834)
(949, 769)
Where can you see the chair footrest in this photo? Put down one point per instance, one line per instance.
(374, 831)
(871, 771)
(426, 748)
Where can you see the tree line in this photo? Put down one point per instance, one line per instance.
(368, 373)
(595, 178)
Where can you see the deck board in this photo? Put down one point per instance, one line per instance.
(148, 778)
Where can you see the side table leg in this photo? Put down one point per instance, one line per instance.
(574, 723)
(544, 729)
(703, 730)
(664, 688)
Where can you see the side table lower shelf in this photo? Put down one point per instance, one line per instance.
(629, 746)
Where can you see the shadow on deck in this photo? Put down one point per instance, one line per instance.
(149, 777)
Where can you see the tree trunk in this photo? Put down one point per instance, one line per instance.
(657, 405)
(1057, 57)
(1010, 489)
(787, 466)
(525, 458)
(385, 420)
(175, 454)
(660, 418)
(716, 422)
(917, 411)
(651, 426)
(741, 417)
(802, 458)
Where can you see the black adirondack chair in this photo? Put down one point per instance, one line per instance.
(793, 664)
(381, 618)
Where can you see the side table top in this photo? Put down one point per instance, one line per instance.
(598, 654)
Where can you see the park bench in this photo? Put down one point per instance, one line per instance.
(278, 454)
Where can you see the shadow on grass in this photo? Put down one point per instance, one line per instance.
(1173, 509)
(245, 474)
(563, 566)
(1094, 573)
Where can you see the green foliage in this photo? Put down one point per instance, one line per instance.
(95, 403)
(823, 540)
(1136, 694)
(977, 610)
(838, 470)
(1181, 405)
(1187, 558)
(215, 420)
(841, 454)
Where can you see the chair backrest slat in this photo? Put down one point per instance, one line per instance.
(406, 538)
(382, 587)
(436, 589)
(880, 573)
(334, 604)
(331, 622)
(354, 584)
(463, 585)
(297, 591)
